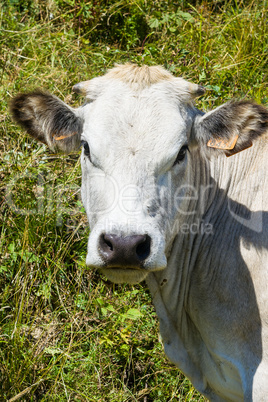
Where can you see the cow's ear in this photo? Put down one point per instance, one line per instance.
(230, 128)
(48, 119)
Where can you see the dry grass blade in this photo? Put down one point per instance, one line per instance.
(24, 392)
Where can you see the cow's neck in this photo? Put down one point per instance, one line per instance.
(179, 291)
(169, 290)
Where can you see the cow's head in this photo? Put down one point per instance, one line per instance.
(139, 133)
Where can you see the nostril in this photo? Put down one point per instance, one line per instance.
(109, 244)
(105, 244)
(144, 248)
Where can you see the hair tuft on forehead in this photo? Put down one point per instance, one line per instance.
(140, 76)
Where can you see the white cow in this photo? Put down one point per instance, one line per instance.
(165, 204)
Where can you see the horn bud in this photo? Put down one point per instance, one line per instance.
(197, 90)
(200, 90)
(81, 88)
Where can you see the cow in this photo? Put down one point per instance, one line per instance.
(177, 197)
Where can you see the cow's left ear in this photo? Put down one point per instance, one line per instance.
(230, 128)
(48, 119)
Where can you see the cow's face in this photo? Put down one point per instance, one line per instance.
(139, 134)
(134, 159)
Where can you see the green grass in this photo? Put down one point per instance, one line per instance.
(66, 333)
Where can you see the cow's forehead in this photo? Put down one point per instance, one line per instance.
(151, 123)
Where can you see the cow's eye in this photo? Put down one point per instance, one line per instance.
(181, 155)
(85, 145)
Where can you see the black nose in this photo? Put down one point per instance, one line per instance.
(129, 251)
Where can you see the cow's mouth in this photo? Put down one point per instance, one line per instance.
(125, 275)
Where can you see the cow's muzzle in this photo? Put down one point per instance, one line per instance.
(124, 252)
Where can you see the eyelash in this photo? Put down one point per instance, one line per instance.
(181, 155)
(85, 145)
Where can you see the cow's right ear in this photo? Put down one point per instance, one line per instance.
(48, 119)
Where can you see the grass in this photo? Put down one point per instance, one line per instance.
(65, 332)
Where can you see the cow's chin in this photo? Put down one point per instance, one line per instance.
(127, 275)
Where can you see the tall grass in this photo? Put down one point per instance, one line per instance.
(65, 332)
